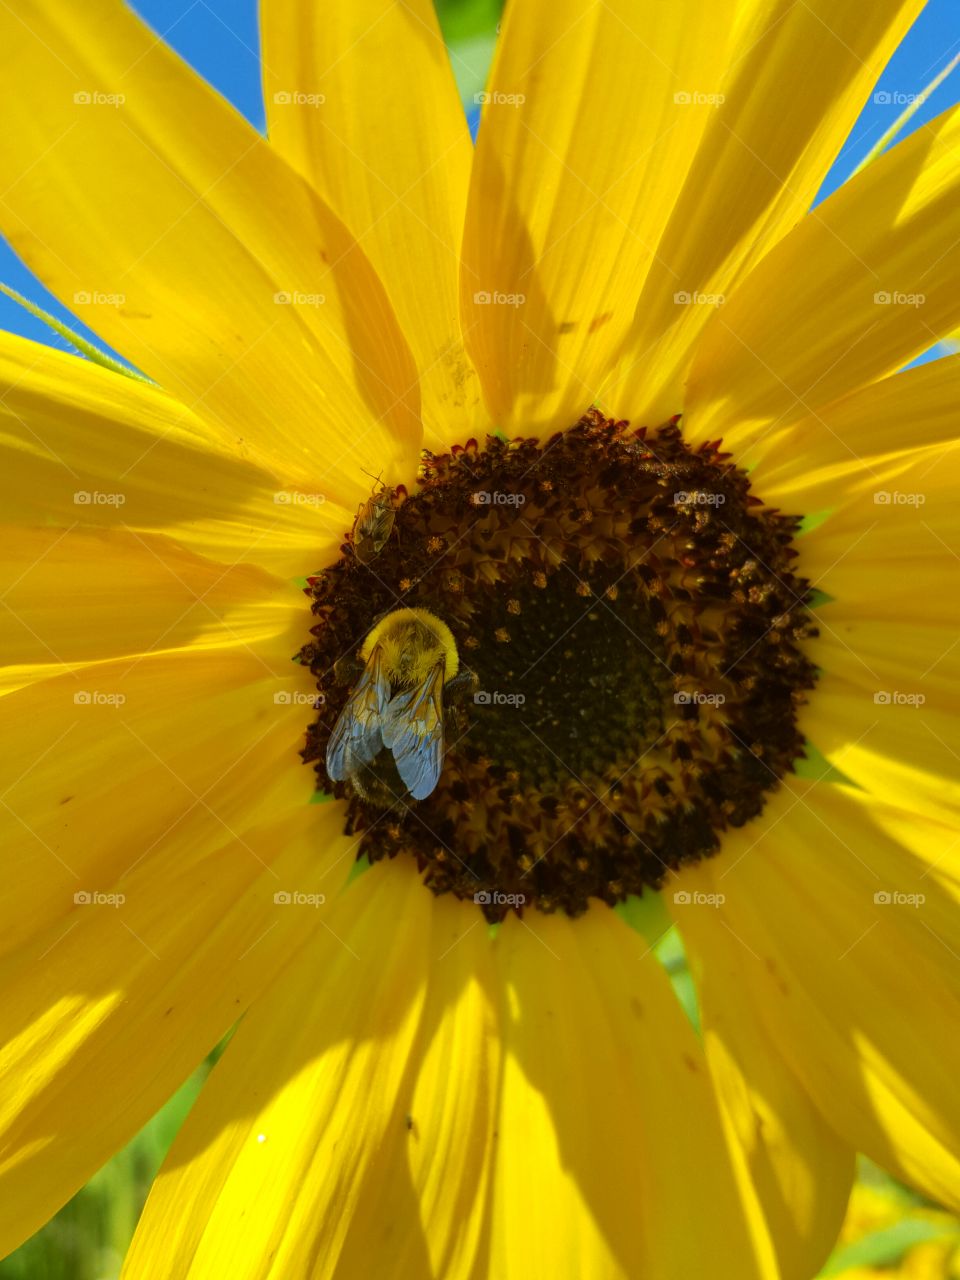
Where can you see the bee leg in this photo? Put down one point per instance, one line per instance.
(460, 687)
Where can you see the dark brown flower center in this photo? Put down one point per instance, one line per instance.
(634, 630)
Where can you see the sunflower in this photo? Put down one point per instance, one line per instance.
(624, 425)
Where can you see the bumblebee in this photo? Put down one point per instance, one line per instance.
(388, 739)
(374, 524)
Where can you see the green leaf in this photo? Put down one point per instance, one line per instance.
(464, 19)
(359, 867)
(84, 346)
(470, 30)
(905, 116)
(818, 598)
(87, 1239)
(817, 768)
(471, 62)
(647, 914)
(813, 521)
(888, 1245)
(649, 917)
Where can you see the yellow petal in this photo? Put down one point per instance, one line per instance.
(886, 557)
(885, 710)
(586, 137)
(607, 1112)
(850, 949)
(864, 283)
(106, 1013)
(801, 1169)
(332, 1138)
(451, 1152)
(875, 530)
(124, 760)
(78, 596)
(358, 1116)
(423, 1208)
(169, 224)
(888, 656)
(881, 739)
(864, 439)
(765, 152)
(361, 99)
(82, 446)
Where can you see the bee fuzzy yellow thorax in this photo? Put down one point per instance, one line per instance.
(411, 640)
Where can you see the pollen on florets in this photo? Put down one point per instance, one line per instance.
(631, 617)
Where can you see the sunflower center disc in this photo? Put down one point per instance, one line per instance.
(633, 627)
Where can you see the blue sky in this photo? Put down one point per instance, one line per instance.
(220, 39)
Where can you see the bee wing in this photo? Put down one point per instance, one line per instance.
(413, 730)
(356, 739)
